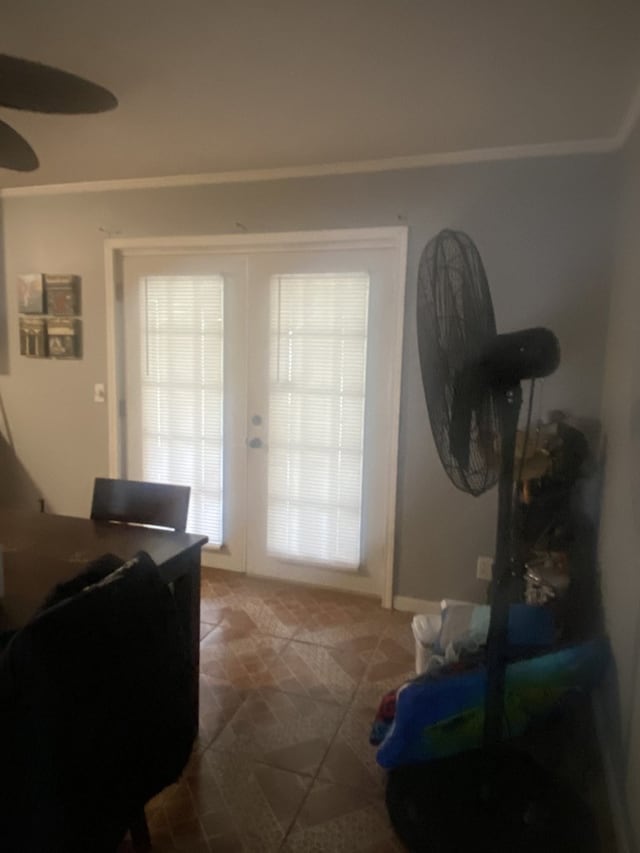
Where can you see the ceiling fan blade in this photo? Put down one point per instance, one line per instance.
(15, 151)
(27, 85)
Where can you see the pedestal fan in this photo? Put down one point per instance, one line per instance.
(495, 799)
(32, 86)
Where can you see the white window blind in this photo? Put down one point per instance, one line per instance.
(318, 354)
(182, 391)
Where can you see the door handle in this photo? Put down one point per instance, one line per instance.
(255, 442)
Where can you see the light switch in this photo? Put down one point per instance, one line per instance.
(98, 393)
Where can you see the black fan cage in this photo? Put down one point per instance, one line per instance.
(455, 324)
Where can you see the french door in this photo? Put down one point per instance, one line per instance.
(182, 385)
(266, 377)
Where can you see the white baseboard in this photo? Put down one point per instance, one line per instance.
(415, 605)
(617, 799)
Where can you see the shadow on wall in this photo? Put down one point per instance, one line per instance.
(609, 716)
(585, 613)
(4, 325)
(17, 489)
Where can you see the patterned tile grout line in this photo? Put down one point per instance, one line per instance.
(279, 690)
(237, 710)
(171, 824)
(315, 775)
(348, 707)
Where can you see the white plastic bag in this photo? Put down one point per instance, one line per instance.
(425, 627)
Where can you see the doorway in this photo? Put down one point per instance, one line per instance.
(264, 372)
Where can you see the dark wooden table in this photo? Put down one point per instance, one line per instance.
(40, 550)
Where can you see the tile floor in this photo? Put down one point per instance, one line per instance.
(290, 678)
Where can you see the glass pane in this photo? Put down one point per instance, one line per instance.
(318, 354)
(182, 392)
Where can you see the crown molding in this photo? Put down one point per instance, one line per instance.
(419, 161)
(567, 148)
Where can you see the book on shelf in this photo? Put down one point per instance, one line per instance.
(31, 293)
(63, 338)
(33, 337)
(62, 294)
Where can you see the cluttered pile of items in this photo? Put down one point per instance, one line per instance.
(551, 463)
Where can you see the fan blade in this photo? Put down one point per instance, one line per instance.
(15, 151)
(472, 434)
(462, 408)
(27, 85)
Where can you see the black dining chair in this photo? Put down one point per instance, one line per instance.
(138, 502)
(95, 712)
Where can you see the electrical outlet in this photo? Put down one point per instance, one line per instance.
(484, 568)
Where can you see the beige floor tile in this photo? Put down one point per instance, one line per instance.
(189, 836)
(291, 679)
(321, 672)
(205, 627)
(173, 821)
(344, 626)
(351, 759)
(389, 668)
(331, 618)
(340, 819)
(244, 659)
(272, 616)
(398, 639)
(239, 613)
(255, 806)
(219, 700)
(282, 729)
(217, 582)
(177, 804)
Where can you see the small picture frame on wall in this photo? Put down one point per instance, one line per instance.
(63, 338)
(62, 295)
(49, 308)
(31, 293)
(33, 337)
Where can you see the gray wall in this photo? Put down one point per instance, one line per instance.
(543, 229)
(620, 525)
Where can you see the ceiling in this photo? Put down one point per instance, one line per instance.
(208, 86)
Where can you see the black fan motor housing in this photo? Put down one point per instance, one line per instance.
(526, 354)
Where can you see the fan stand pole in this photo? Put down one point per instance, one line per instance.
(503, 575)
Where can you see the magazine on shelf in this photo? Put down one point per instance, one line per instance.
(31, 293)
(62, 294)
(63, 338)
(33, 337)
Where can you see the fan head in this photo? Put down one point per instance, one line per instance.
(467, 368)
(27, 85)
(456, 325)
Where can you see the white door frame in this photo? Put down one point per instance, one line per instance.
(395, 238)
